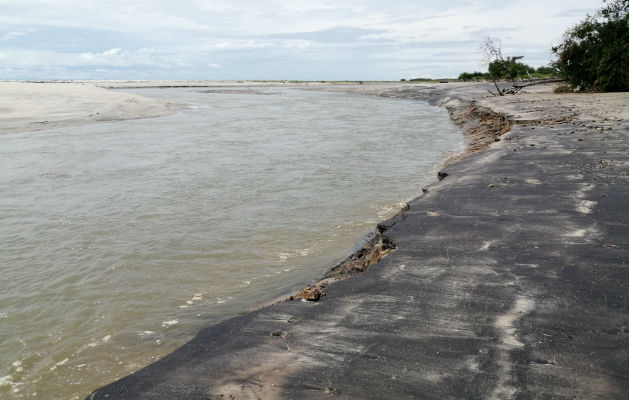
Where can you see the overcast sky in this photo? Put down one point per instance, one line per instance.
(273, 39)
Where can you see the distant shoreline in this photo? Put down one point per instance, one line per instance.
(35, 105)
(30, 106)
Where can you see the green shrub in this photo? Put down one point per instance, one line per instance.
(594, 54)
(509, 69)
(468, 76)
(551, 71)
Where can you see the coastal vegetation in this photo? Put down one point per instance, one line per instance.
(519, 71)
(509, 68)
(594, 54)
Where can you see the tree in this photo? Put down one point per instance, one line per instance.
(594, 54)
(550, 70)
(469, 76)
(500, 67)
(509, 68)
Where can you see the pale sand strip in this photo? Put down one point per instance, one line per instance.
(30, 106)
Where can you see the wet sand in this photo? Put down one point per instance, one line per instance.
(509, 277)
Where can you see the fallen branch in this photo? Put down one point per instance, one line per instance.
(551, 80)
(515, 88)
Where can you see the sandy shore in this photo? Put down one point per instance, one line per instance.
(508, 278)
(29, 106)
(33, 106)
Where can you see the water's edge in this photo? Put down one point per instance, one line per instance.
(131, 337)
(464, 323)
(480, 127)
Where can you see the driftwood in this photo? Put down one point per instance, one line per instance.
(516, 86)
(492, 54)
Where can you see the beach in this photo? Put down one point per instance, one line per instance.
(141, 232)
(507, 278)
(31, 106)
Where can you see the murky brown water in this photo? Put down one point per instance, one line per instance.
(119, 241)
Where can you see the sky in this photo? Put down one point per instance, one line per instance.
(273, 39)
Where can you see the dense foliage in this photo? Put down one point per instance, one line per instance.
(594, 54)
(472, 76)
(501, 67)
(509, 68)
(518, 70)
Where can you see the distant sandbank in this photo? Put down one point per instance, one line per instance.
(31, 106)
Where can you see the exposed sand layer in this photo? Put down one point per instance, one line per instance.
(30, 106)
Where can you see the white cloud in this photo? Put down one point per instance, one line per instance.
(112, 52)
(117, 57)
(12, 35)
(194, 35)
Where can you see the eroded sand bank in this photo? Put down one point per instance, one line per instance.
(509, 277)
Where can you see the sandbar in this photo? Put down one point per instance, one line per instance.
(33, 106)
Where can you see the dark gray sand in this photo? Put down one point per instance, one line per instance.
(509, 278)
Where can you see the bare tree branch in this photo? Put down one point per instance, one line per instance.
(492, 54)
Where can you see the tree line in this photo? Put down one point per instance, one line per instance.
(517, 71)
(592, 56)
